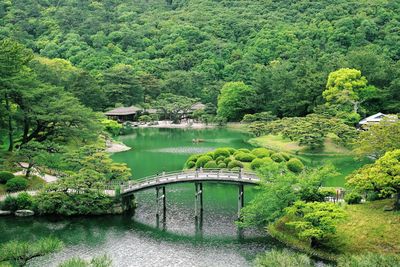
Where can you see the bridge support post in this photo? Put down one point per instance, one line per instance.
(198, 198)
(240, 199)
(164, 202)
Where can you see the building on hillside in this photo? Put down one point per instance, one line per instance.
(376, 118)
(124, 113)
(198, 106)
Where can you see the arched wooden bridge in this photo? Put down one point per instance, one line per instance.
(198, 177)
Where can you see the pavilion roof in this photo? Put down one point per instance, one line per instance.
(123, 111)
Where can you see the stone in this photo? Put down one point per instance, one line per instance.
(5, 212)
(24, 213)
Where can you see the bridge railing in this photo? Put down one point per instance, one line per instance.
(177, 175)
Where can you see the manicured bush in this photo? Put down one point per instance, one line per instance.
(202, 161)
(220, 159)
(9, 203)
(256, 163)
(327, 191)
(190, 164)
(17, 184)
(286, 156)
(221, 165)
(211, 165)
(194, 157)
(277, 157)
(245, 150)
(235, 164)
(221, 152)
(295, 165)
(5, 176)
(227, 160)
(231, 150)
(24, 201)
(210, 154)
(245, 157)
(261, 152)
(353, 198)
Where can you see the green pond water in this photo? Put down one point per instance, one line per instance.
(139, 239)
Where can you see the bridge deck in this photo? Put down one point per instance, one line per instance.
(205, 175)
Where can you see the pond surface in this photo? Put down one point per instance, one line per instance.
(139, 239)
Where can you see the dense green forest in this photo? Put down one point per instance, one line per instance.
(128, 52)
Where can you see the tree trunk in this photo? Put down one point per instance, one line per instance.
(10, 127)
(314, 242)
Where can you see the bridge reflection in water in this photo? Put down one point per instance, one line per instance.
(198, 177)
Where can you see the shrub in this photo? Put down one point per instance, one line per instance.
(145, 118)
(211, 154)
(194, 157)
(245, 150)
(353, 198)
(261, 152)
(211, 165)
(5, 176)
(17, 184)
(277, 157)
(190, 164)
(231, 150)
(227, 160)
(245, 157)
(256, 163)
(284, 258)
(295, 165)
(10, 203)
(235, 164)
(327, 191)
(221, 152)
(24, 201)
(202, 161)
(286, 156)
(220, 159)
(221, 165)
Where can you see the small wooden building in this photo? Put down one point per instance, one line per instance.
(124, 113)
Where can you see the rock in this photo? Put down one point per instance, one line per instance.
(24, 213)
(5, 212)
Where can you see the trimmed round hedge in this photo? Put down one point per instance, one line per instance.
(220, 159)
(295, 165)
(244, 157)
(194, 157)
(5, 176)
(277, 157)
(221, 165)
(201, 161)
(222, 152)
(235, 164)
(261, 152)
(227, 160)
(245, 150)
(256, 163)
(17, 184)
(211, 165)
(190, 164)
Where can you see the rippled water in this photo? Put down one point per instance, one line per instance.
(139, 240)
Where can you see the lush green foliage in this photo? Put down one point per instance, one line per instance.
(284, 49)
(379, 138)
(5, 176)
(262, 116)
(261, 152)
(22, 201)
(352, 198)
(201, 161)
(235, 164)
(295, 165)
(278, 157)
(315, 221)
(283, 258)
(244, 157)
(19, 252)
(17, 184)
(383, 176)
(310, 131)
(235, 100)
(211, 165)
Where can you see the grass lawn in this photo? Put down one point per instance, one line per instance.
(340, 157)
(367, 228)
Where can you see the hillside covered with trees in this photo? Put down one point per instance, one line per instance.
(284, 50)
